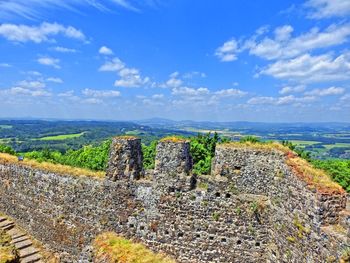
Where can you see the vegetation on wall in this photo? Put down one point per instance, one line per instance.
(109, 247)
(202, 150)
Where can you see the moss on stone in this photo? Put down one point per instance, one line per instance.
(8, 252)
(126, 137)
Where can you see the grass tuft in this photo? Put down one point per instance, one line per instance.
(109, 247)
(49, 167)
(173, 139)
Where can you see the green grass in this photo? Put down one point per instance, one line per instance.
(61, 137)
(5, 126)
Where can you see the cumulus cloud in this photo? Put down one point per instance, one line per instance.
(283, 45)
(100, 93)
(55, 80)
(114, 65)
(32, 84)
(292, 89)
(307, 68)
(326, 92)
(277, 101)
(31, 88)
(64, 49)
(228, 51)
(48, 61)
(129, 77)
(38, 34)
(186, 91)
(230, 93)
(328, 8)
(105, 51)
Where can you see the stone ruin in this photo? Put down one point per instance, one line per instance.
(125, 159)
(254, 207)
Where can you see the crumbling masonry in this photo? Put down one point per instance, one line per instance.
(252, 208)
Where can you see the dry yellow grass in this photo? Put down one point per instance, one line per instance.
(173, 139)
(315, 178)
(49, 167)
(258, 146)
(109, 247)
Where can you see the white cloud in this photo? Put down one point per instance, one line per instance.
(69, 93)
(326, 92)
(328, 8)
(346, 98)
(230, 93)
(284, 46)
(38, 34)
(64, 49)
(228, 51)
(115, 65)
(173, 81)
(100, 93)
(157, 96)
(307, 68)
(55, 80)
(32, 9)
(186, 91)
(31, 84)
(105, 51)
(290, 89)
(129, 77)
(190, 75)
(277, 101)
(48, 61)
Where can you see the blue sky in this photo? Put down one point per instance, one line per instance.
(274, 61)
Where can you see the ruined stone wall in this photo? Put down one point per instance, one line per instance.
(253, 208)
(207, 224)
(306, 224)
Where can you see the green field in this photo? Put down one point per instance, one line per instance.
(5, 126)
(301, 143)
(61, 137)
(337, 145)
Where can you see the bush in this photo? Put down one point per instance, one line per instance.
(339, 170)
(7, 149)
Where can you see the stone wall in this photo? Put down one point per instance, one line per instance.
(253, 208)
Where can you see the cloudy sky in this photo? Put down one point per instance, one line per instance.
(275, 61)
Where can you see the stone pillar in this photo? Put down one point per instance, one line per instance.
(125, 159)
(173, 157)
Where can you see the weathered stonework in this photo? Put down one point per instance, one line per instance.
(125, 159)
(252, 209)
(173, 158)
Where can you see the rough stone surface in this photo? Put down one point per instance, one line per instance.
(173, 158)
(252, 209)
(125, 159)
